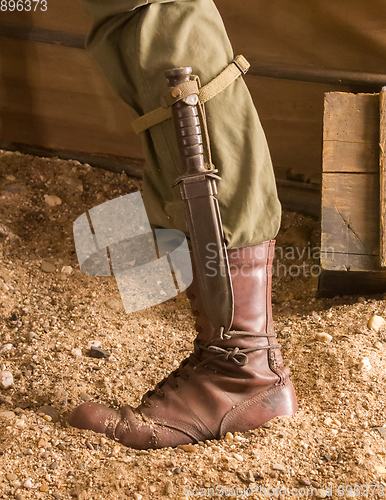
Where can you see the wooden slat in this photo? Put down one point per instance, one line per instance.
(350, 190)
(334, 261)
(341, 156)
(350, 219)
(382, 166)
(332, 283)
(42, 35)
(351, 118)
(351, 132)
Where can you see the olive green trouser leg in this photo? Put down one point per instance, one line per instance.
(134, 42)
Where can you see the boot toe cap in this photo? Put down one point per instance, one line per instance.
(94, 417)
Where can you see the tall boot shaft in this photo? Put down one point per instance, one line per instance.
(251, 274)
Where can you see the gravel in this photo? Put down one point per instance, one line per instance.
(336, 438)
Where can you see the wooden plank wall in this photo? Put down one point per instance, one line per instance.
(54, 96)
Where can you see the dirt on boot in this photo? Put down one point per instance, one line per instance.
(51, 315)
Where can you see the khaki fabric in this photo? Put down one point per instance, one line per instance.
(135, 43)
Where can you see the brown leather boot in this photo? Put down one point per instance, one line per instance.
(233, 383)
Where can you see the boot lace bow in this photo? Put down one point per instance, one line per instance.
(197, 358)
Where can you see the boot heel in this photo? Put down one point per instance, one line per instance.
(251, 414)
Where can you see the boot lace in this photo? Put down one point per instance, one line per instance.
(197, 359)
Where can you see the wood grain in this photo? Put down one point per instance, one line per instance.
(382, 168)
(350, 237)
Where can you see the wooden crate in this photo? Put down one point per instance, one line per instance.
(351, 251)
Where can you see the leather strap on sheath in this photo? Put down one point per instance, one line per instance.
(239, 66)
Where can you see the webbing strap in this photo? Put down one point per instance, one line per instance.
(182, 90)
(237, 67)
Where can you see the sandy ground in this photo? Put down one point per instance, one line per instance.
(334, 445)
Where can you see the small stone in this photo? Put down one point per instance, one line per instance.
(5, 348)
(364, 365)
(328, 421)
(50, 411)
(85, 397)
(53, 466)
(42, 442)
(250, 476)
(7, 415)
(76, 352)
(6, 379)
(168, 488)
(137, 496)
(279, 467)
(321, 493)
(303, 480)
(47, 267)
(98, 352)
(19, 496)
(115, 305)
(116, 449)
(28, 484)
(238, 457)
(380, 469)
(11, 477)
(323, 337)
(376, 323)
(378, 345)
(93, 343)
(229, 437)
(82, 495)
(152, 489)
(190, 448)
(266, 425)
(66, 269)
(52, 200)
(10, 177)
(32, 336)
(382, 431)
(44, 487)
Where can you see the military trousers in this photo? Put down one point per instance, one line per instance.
(135, 42)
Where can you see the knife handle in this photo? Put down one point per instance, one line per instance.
(187, 124)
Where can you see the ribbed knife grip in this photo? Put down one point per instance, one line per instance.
(187, 124)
